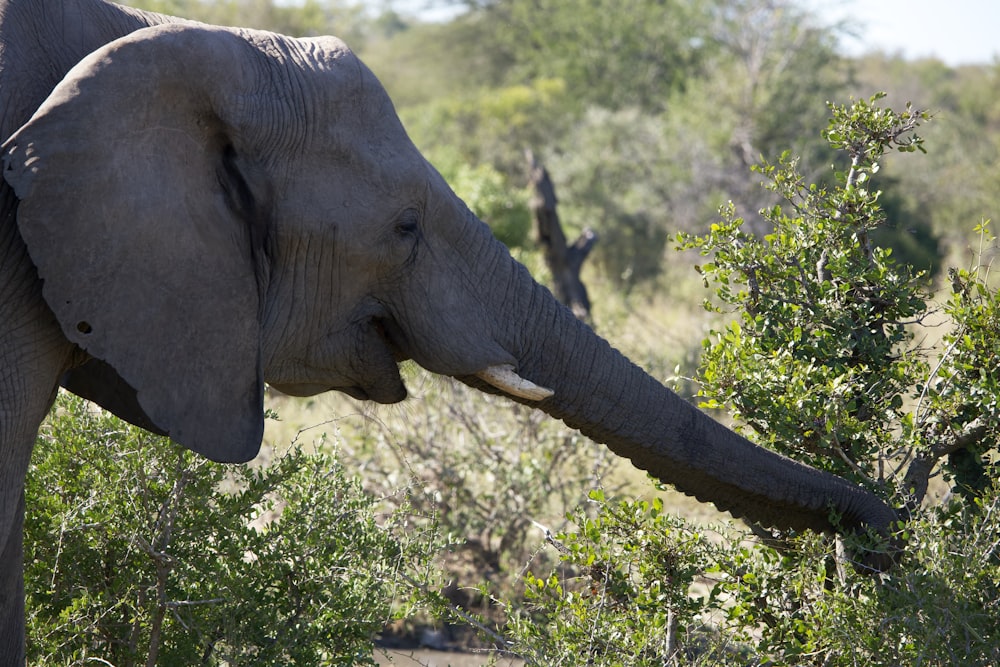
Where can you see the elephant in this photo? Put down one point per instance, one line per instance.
(189, 212)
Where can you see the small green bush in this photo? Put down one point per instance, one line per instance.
(140, 552)
(938, 607)
(490, 196)
(638, 587)
(622, 595)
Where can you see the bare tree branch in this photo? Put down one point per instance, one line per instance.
(563, 260)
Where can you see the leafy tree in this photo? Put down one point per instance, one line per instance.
(821, 361)
(491, 126)
(639, 176)
(623, 173)
(772, 62)
(610, 54)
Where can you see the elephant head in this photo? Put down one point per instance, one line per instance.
(211, 209)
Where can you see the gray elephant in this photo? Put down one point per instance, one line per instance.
(189, 212)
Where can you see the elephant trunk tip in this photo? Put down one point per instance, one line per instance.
(871, 528)
(875, 547)
(873, 562)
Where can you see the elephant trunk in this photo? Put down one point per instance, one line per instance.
(612, 401)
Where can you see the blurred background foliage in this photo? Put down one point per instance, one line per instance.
(649, 114)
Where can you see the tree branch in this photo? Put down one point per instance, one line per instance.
(917, 475)
(564, 260)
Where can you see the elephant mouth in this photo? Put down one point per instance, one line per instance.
(378, 379)
(392, 336)
(362, 393)
(379, 394)
(501, 376)
(361, 361)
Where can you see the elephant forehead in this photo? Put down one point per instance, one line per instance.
(365, 148)
(336, 210)
(352, 187)
(357, 124)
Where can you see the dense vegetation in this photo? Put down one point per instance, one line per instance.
(852, 322)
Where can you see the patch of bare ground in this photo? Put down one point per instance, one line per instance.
(431, 658)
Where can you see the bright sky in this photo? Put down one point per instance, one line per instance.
(957, 32)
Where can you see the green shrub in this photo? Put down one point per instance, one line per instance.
(488, 194)
(622, 595)
(825, 359)
(637, 587)
(140, 552)
(939, 606)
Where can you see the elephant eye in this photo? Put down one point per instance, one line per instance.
(408, 223)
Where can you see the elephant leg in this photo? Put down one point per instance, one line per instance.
(20, 417)
(12, 586)
(33, 354)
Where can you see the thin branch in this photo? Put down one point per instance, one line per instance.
(850, 464)
(173, 604)
(937, 369)
(498, 639)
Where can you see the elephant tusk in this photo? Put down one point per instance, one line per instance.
(504, 377)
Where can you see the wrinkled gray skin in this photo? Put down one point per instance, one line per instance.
(190, 211)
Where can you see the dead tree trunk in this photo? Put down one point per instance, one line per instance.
(564, 261)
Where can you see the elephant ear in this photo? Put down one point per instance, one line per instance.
(145, 216)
